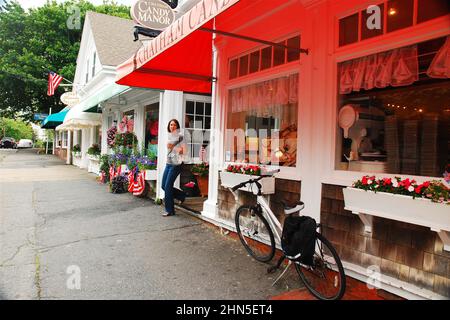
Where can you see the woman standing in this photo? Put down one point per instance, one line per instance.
(176, 148)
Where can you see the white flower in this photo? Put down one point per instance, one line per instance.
(395, 183)
(411, 189)
(369, 181)
(377, 186)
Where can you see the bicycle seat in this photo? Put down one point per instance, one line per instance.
(292, 208)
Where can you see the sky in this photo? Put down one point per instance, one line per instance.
(37, 3)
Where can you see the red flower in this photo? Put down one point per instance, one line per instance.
(426, 184)
(418, 189)
(364, 180)
(387, 182)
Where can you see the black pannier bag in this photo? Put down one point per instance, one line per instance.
(299, 238)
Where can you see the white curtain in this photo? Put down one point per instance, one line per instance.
(398, 67)
(440, 66)
(266, 98)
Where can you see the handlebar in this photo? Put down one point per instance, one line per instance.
(266, 175)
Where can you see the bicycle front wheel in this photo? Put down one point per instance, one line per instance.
(254, 230)
(325, 279)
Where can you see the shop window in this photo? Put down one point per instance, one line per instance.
(393, 112)
(198, 127)
(151, 129)
(234, 68)
(430, 9)
(266, 58)
(348, 30)
(262, 123)
(399, 14)
(279, 54)
(367, 22)
(64, 139)
(293, 55)
(254, 61)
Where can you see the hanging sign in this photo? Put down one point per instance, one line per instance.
(70, 98)
(152, 14)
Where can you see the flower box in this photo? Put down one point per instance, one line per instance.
(93, 157)
(94, 164)
(418, 211)
(230, 179)
(151, 175)
(76, 158)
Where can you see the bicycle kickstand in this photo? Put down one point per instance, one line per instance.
(277, 266)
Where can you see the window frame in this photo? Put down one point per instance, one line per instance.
(201, 99)
(290, 68)
(429, 30)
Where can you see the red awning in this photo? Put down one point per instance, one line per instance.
(180, 58)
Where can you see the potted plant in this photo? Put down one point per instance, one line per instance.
(235, 174)
(76, 150)
(94, 152)
(201, 172)
(406, 200)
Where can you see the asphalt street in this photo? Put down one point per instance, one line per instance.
(64, 236)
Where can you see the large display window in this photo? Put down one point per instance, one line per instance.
(262, 122)
(394, 112)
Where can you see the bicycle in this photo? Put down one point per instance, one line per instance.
(257, 224)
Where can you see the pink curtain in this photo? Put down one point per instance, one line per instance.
(398, 67)
(440, 66)
(265, 98)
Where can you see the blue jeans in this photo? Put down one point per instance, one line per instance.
(170, 175)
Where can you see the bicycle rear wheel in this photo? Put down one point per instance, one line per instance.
(254, 230)
(325, 279)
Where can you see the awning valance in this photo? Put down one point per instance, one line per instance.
(180, 58)
(53, 120)
(78, 119)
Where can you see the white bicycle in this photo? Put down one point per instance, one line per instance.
(257, 224)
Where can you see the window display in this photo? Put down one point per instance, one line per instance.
(151, 129)
(262, 123)
(393, 111)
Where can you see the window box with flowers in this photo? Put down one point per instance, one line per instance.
(149, 167)
(235, 174)
(201, 172)
(76, 155)
(426, 204)
(93, 154)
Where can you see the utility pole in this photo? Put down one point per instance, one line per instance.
(46, 131)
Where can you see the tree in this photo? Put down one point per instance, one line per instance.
(36, 41)
(16, 129)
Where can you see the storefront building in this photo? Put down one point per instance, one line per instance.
(367, 95)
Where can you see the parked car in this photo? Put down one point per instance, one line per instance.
(25, 143)
(7, 142)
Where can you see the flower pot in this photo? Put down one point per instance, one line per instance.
(418, 211)
(93, 157)
(202, 182)
(94, 164)
(230, 179)
(151, 175)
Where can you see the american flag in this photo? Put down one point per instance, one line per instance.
(53, 82)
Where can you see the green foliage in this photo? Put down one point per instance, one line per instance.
(201, 169)
(94, 150)
(76, 148)
(35, 41)
(16, 129)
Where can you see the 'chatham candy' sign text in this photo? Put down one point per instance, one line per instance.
(152, 14)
